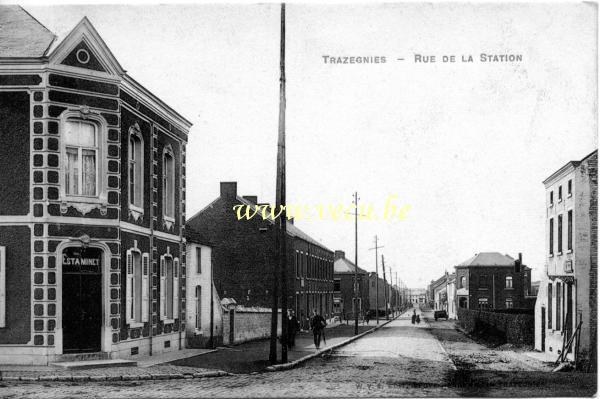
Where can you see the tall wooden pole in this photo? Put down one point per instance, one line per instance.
(385, 290)
(281, 221)
(356, 264)
(280, 201)
(376, 280)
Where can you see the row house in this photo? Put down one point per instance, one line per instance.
(492, 280)
(380, 294)
(344, 288)
(92, 201)
(244, 252)
(567, 295)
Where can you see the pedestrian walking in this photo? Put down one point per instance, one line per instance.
(418, 319)
(317, 324)
(368, 317)
(414, 316)
(293, 327)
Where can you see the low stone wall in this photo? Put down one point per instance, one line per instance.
(249, 324)
(517, 328)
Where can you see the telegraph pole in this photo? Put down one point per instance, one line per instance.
(385, 291)
(356, 263)
(376, 280)
(281, 221)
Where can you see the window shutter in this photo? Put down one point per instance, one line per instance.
(2, 287)
(145, 273)
(163, 287)
(176, 288)
(129, 287)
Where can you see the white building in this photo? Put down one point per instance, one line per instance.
(567, 294)
(451, 295)
(199, 288)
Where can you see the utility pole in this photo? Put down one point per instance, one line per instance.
(376, 280)
(385, 291)
(281, 221)
(356, 263)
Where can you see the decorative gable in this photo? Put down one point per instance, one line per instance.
(84, 48)
(83, 57)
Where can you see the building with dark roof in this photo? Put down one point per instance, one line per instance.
(343, 292)
(491, 280)
(92, 209)
(245, 258)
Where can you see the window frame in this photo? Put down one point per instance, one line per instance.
(83, 114)
(569, 231)
(508, 279)
(169, 305)
(198, 259)
(168, 196)
(2, 287)
(507, 301)
(569, 188)
(551, 237)
(559, 234)
(135, 134)
(134, 317)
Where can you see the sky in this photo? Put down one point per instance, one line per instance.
(466, 145)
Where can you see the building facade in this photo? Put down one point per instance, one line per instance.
(451, 294)
(343, 292)
(417, 296)
(491, 280)
(245, 259)
(92, 201)
(567, 296)
(380, 293)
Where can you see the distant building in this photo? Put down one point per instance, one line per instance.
(245, 257)
(568, 293)
(440, 294)
(379, 293)
(343, 291)
(490, 280)
(417, 296)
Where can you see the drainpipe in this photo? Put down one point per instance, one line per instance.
(150, 268)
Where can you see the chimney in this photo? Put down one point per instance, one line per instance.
(251, 198)
(339, 255)
(228, 189)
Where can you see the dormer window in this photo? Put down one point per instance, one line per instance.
(81, 156)
(136, 169)
(168, 185)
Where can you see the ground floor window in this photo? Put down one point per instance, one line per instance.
(508, 303)
(137, 286)
(198, 307)
(483, 302)
(169, 287)
(2, 287)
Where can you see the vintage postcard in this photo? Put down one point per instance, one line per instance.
(379, 199)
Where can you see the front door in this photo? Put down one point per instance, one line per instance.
(543, 329)
(81, 299)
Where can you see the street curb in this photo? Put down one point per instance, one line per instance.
(292, 364)
(127, 377)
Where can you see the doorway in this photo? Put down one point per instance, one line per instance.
(543, 324)
(82, 299)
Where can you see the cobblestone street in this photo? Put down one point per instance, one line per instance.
(398, 360)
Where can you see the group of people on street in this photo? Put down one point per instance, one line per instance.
(317, 325)
(415, 317)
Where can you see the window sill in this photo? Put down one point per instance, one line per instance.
(569, 251)
(559, 253)
(136, 324)
(168, 321)
(198, 332)
(560, 200)
(551, 205)
(569, 195)
(551, 255)
(135, 208)
(508, 288)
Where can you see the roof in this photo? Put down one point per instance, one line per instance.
(292, 230)
(196, 237)
(21, 35)
(488, 259)
(567, 166)
(343, 265)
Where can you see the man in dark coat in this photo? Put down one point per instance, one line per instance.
(317, 324)
(293, 327)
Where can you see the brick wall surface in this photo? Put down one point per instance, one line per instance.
(517, 328)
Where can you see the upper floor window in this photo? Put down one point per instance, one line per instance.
(136, 168)
(559, 237)
(551, 198)
(509, 282)
(569, 188)
(551, 237)
(570, 230)
(337, 284)
(198, 260)
(463, 283)
(483, 281)
(168, 185)
(559, 193)
(81, 158)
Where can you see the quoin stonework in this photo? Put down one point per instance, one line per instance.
(92, 211)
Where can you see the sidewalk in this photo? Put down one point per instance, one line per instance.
(250, 357)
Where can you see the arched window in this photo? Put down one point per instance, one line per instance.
(136, 169)
(168, 185)
(81, 158)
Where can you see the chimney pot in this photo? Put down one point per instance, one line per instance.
(339, 255)
(228, 189)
